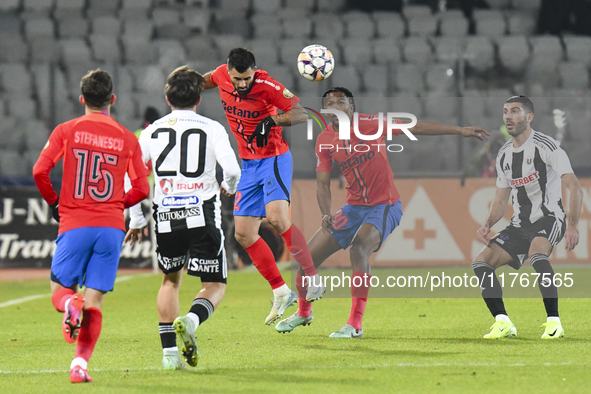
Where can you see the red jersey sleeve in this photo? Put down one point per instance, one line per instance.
(215, 74)
(323, 158)
(280, 96)
(51, 154)
(138, 174)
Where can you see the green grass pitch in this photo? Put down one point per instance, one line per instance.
(413, 345)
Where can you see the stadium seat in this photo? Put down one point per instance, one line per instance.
(45, 49)
(138, 30)
(448, 49)
(521, 23)
(266, 52)
(408, 78)
(289, 50)
(202, 47)
(15, 78)
(473, 108)
(441, 78)
(70, 4)
(306, 5)
(573, 75)
(453, 24)
(417, 51)
(531, 6)
(513, 52)
(578, 49)
(297, 27)
(226, 43)
(440, 107)
(542, 104)
(170, 54)
(148, 78)
(411, 11)
(9, 5)
(38, 6)
(232, 9)
(10, 23)
(72, 28)
(9, 140)
(547, 47)
(39, 27)
(480, 53)
(42, 85)
(138, 51)
(266, 25)
(13, 48)
(106, 26)
(157, 101)
(21, 106)
(422, 26)
(346, 76)
(356, 52)
(328, 25)
(331, 5)
(386, 50)
(359, 25)
(35, 135)
(198, 20)
(136, 4)
(12, 164)
(126, 108)
(165, 16)
(389, 24)
(375, 79)
(75, 50)
(98, 8)
(490, 23)
(282, 74)
(265, 5)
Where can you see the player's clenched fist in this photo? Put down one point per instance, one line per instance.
(261, 133)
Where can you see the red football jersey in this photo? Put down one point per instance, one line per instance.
(244, 112)
(97, 152)
(364, 164)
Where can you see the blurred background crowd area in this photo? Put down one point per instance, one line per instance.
(453, 61)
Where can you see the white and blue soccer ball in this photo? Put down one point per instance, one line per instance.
(315, 62)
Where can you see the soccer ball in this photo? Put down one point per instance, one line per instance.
(315, 62)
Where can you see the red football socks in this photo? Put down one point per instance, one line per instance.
(359, 291)
(297, 245)
(59, 298)
(92, 321)
(263, 259)
(304, 307)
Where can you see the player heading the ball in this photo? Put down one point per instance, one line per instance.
(251, 99)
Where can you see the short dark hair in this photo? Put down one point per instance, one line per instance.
(97, 88)
(241, 59)
(525, 102)
(339, 89)
(183, 87)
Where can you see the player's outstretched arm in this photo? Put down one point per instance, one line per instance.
(571, 236)
(324, 200)
(292, 117)
(208, 82)
(425, 127)
(497, 210)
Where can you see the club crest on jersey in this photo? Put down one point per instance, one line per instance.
(166, 185)
(177, 202)
(172, 121)
(529, 160)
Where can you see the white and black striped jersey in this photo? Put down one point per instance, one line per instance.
(533, 173)
(184, 148)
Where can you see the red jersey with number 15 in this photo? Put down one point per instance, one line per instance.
(364, 164)
(97, 152)
(244, 112)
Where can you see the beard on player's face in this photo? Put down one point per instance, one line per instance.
(242, 82)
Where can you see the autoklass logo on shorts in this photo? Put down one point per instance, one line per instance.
(210, 266)
(178, 215)
(178, 202)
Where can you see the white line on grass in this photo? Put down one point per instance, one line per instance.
(34, 297)
(385, 365)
